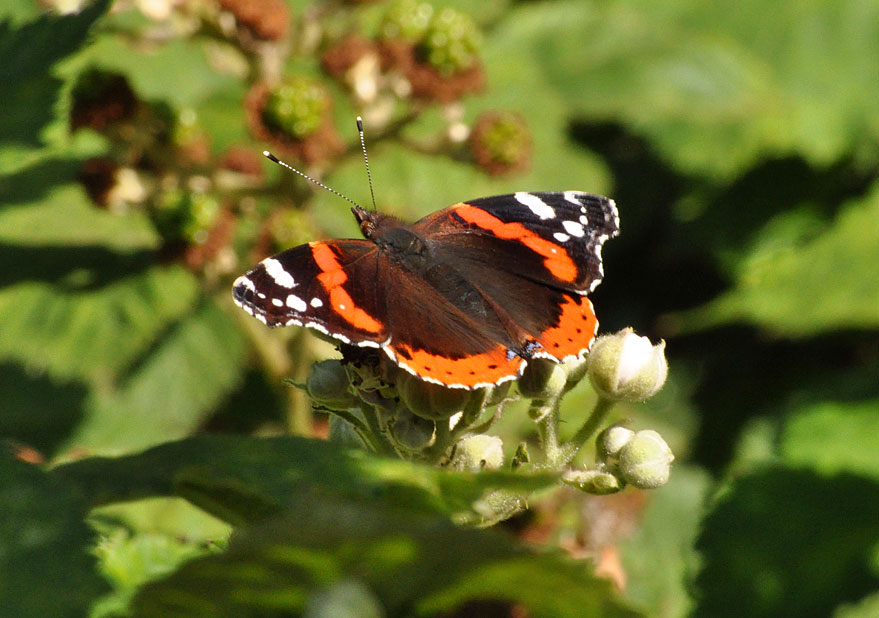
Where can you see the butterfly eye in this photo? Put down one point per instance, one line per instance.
(367, 228)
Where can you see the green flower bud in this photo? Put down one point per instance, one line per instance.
(413, 432)
(576, 369)
(645, 460)
(347, 598)
(625, 366)
(542, 379)
(610, 442)
(497, 394)
(451, 43)
(598, 482)
(428, 400)
(478, 452)
(296, 108)
(328, 385)
(342, 432)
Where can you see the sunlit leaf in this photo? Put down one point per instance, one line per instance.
(797, 287)
(834, 438)
(170, 390)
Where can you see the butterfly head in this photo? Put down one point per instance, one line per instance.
(366, 219)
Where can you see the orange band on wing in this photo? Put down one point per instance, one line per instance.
(486, 368)
(332, 277)
(555, 258)
(574, 331)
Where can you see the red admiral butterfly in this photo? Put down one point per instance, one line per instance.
(463, 297)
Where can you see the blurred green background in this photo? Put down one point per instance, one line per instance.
(740, 141)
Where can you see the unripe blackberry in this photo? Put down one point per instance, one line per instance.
(406, 20)
(101, 99)
(296, 108)
(500, 142)
(295, 118)
(451, 42)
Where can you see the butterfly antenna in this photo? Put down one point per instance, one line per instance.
(275, 159)
(365, 159)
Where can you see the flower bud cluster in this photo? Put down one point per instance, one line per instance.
(642, 458)
(423, 418)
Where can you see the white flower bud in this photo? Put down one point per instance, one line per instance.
(610, 442)
(478, 452)
(347, 598)
(626, 366)
(542, 379)
(645, 460)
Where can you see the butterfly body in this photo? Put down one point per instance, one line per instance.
(463, 297)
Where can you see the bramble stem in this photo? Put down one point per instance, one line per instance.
(546, 414)
(569, 450)
(379, 440)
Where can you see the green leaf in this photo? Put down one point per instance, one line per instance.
(145, 540)
(796, 286)
(715, 86)
(659, 555)
(28, 88)
(414, 564)
(788, 543)
(87, 323)
(44, 546)
(866, 608)
(242, 479)
(169, 391)
(37, 410)
(833, 438)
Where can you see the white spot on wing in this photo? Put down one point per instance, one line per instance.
(535, 204)
(244, 282)
(571, 196)
(316, 302)
(573, 228)
(277, 302)
(561, 237)
(296, 303)
(276, 271)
